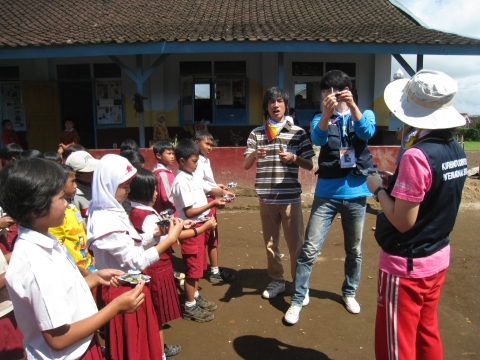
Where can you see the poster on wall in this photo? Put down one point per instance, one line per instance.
(12, 107)
(223, 90)
(109, 102)
(109, 114)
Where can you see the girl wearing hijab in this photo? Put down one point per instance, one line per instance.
(116, 244)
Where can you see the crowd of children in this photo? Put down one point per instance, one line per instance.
(74, 234)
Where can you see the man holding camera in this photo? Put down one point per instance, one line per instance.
(342, 131)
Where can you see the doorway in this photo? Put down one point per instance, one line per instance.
(76, 103)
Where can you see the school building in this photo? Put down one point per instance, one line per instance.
(196, 61)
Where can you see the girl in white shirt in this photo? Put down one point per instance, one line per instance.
(53, 303)
(115, 243)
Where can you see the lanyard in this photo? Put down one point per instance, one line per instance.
(341, 131)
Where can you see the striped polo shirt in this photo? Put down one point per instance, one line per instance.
(277, 182)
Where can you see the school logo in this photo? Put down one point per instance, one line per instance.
(129, 168)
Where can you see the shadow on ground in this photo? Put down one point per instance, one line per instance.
(252, 347)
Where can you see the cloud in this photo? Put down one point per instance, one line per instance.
(459, 17)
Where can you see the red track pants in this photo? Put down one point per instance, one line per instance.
(406, 325)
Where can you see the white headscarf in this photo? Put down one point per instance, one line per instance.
(105, 214)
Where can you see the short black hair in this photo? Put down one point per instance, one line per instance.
(185, 149)
(202, 134)
(161, 145)
(30, 154)
(71, 149)
(335, 79)
(11, 151)
(4, 122)
(135, 158)
(52, 156)
(67, 168)
(142, 187)
(129, 144)
(272, 94)
(27, 187)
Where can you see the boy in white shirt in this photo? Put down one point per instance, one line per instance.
(204, 173)
(191, 203)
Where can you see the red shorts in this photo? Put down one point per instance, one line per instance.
(212, 235)
(194, 265)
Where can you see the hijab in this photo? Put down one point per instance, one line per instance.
(105, 214)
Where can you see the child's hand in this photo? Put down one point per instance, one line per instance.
(374, 181)
(219, 203)
(160, 230)
(347, 97)
(107, 277)
(129, 302)
(230, 194)
(209, 224)
(188, 224)
(176, 227)
(6, 222)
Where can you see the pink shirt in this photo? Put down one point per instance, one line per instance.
(413, 181)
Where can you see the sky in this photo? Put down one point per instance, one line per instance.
(458, 17)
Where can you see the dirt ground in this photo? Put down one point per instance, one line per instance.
(246, 326)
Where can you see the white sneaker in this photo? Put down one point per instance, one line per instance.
(273, 289)
(292, 314)
(351, 304)
(306, 299)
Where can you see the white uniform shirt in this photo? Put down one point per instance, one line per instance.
(119, 251)
(203, 173)
(188, 192)
(47, 291)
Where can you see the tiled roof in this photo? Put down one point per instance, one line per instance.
(63, 22)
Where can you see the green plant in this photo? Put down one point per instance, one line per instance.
(235, 137)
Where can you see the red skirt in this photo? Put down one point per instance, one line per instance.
(11, 338)
(164, 291)
(94, 351)
(132, 336)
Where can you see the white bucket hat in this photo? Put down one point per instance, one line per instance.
(424, 101)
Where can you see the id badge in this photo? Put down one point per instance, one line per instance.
(79, 217)
(347, 158)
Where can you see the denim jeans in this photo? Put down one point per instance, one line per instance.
(323, 213)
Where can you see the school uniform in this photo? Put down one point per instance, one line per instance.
(187, 192)
(162, 284)
(116, 244)
(48, 291)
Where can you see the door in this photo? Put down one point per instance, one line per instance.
(76, 104)
(42, 115)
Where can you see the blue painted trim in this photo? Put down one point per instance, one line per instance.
(154, 66)
(124, 67)
(404, 64)
(32, 52)
(419, 62)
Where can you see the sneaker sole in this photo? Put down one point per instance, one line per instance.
(186, 317)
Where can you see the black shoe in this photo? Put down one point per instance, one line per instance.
(206, 304)
(196, 313)
(221, 276)
(171, 350)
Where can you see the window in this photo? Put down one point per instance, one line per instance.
(307, 69)
(219, 88)
(347, 68)
(73, 71)
(9, 73)
(307, 95)
(105, 71)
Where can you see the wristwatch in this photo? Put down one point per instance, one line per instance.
(375, 193)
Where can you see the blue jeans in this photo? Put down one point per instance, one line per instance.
(323, 212)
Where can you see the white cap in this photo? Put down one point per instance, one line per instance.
(82, 161)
